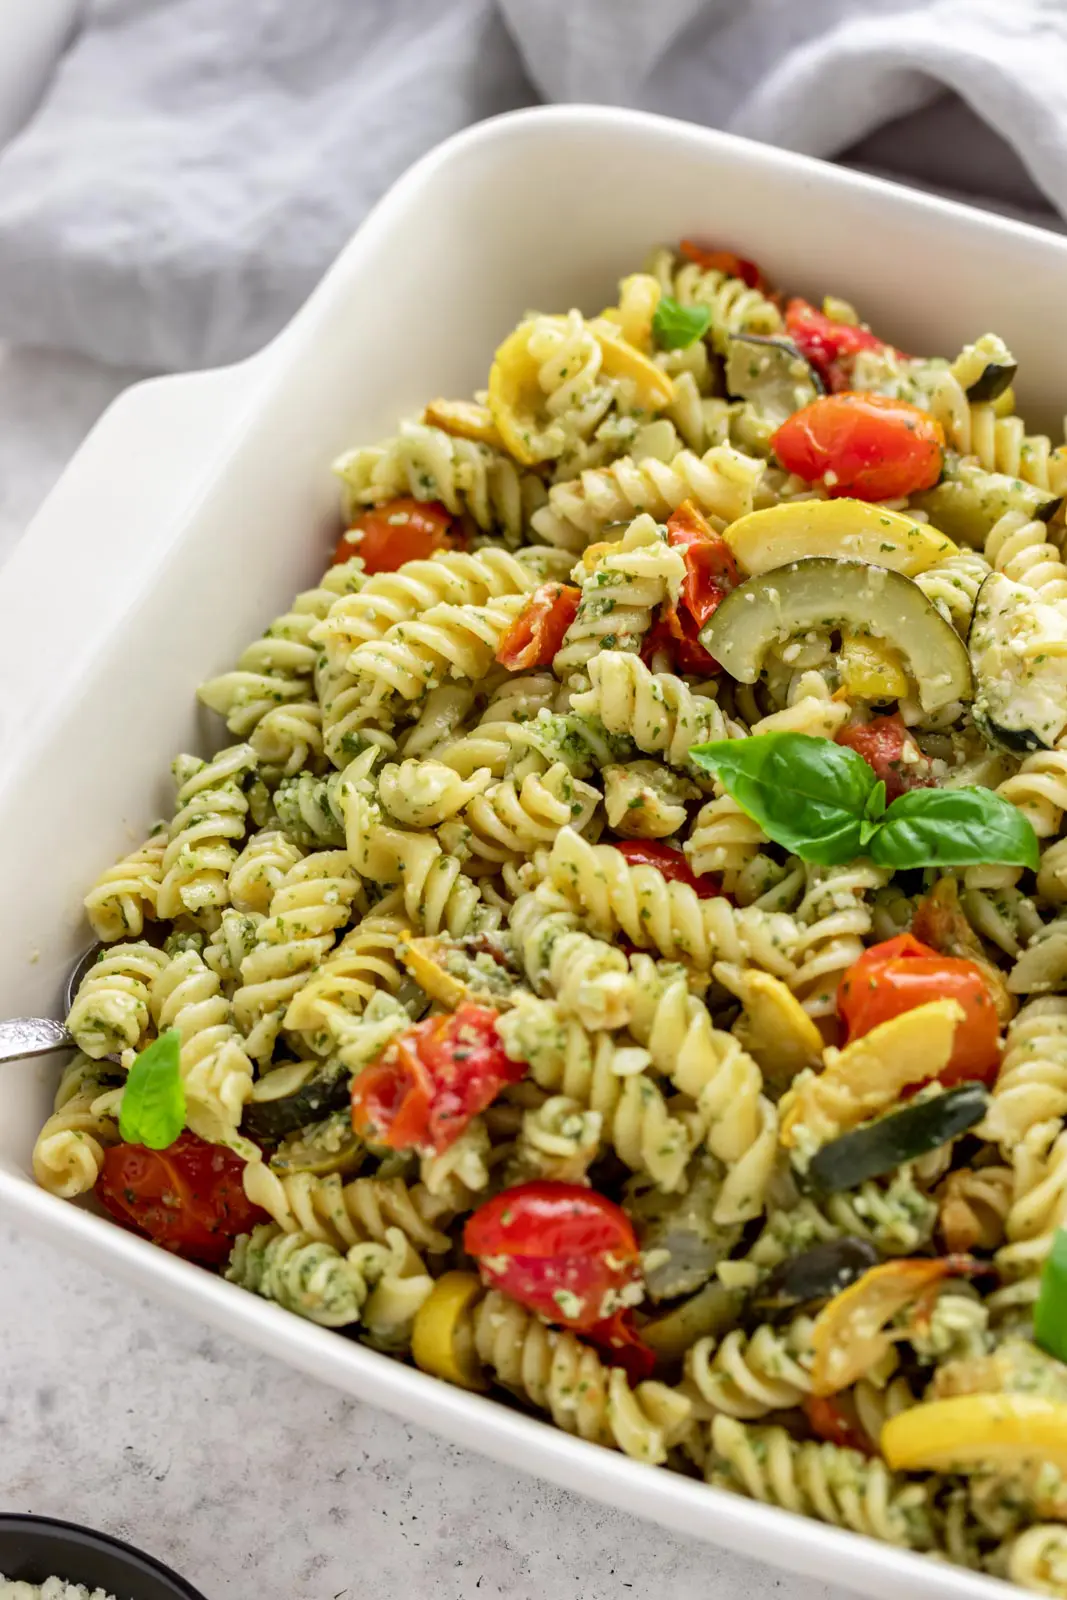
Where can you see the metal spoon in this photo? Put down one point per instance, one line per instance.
(22, 1037)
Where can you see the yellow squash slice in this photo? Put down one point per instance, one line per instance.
(868, 1075)
(652, 387)
(464, 419)
(442, 1338)
(771, 538)
(774, 1027)
(977, 1430)
(871, 669)
(849, 1335)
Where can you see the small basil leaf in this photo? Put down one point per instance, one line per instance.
(874, 810)
(954, 828)
(153, 1101)
(809, 795)
(675, 327)
(1050, 1313)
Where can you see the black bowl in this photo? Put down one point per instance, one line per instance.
(35, 1548)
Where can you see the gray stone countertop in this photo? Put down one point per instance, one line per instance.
(254, 1481)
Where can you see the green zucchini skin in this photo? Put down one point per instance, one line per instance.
(810, 1278)
(992, 382)
(901, 1136)
(328, 1090)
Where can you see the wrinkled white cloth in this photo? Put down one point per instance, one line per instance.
(194, 165)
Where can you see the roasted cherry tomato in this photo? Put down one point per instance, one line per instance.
(559, 1249)
(900, 974)
(401, 530)
(621, 1345)
(724, 261)
(187, 1198)
(710, 569)
(675, 635)
(670, 863)
(884, 742)
(830, 346)
(537, 632)
(432, 1080)
(830, 1420)
(864, 445)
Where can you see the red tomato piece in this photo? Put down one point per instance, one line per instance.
(882, 742)
(734, 266)
(559, 1249)
(675, 634)
(188, 1198)
(900, 974)
(430, 1082)
(830, 346)
(400, 530)
(864, 445)
(671, 863)
(829, 1420)
(537, 632)
(711, 571)
(620, 1345)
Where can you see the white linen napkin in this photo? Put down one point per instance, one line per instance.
(196, 164)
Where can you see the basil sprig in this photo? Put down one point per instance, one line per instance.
(153, 1101)
(675, 327)
(1050, 1313)
(822, 801)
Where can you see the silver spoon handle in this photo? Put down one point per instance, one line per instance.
(32, 1036)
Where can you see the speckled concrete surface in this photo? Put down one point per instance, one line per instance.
(256, 1482)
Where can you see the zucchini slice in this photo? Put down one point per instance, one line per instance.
(681, 1242)
(969, 500)
(850, 529)
(810, 1279)
(290, 1097)
(1018, 648)
(986, 369)
(885, 1144)
(826, 595)
(772, 374)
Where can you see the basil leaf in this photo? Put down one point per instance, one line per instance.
(674, 326)
(153, 1101)
(953, 828)
(1050, 1313)
(810, 795)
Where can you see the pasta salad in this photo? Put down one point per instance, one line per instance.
(617, 956)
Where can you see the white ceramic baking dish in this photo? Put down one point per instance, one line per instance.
(200, 504)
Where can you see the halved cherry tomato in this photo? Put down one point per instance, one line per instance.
(400, 530)
(710, 568)
(900, 974)
(675, 634)
(432, 1080)
(559, 1249)
(537, 632)
(831, 1421)
(187, 1198)
(830, 346)
(864, 445)
(671, 863)
(882, 742)
(620, 1344)
(734, 266)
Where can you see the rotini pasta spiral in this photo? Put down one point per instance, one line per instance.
(124, 895)
(581, 742)
(1020, 549)
(1038, 1208)
(365, 963)
(413, 657)
(1037, 1559)
(110, 1012)
(721, 1079)
(658, 914)
(559, 1374)
(216, 1072)
(260, 868)
(345, 1214)
(451, 577)
(69, 1150)
(723, 838)
(897, 1218)
(655, 709)
(820, 1480)
(834, 919)
(313, 900)
(620, 591)
(605, 1075)
(590, 978)
(973, 1207)
(310, 1277)
(734, 306)
(722, 483)
(1031, 1084)
(211, 809)
(748, 1375)
(559, 1141)
(490, 742)
(423, 794)
(953, 586)
(643, 800)
(511, 820)
(429, 464)
(1039, 789)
